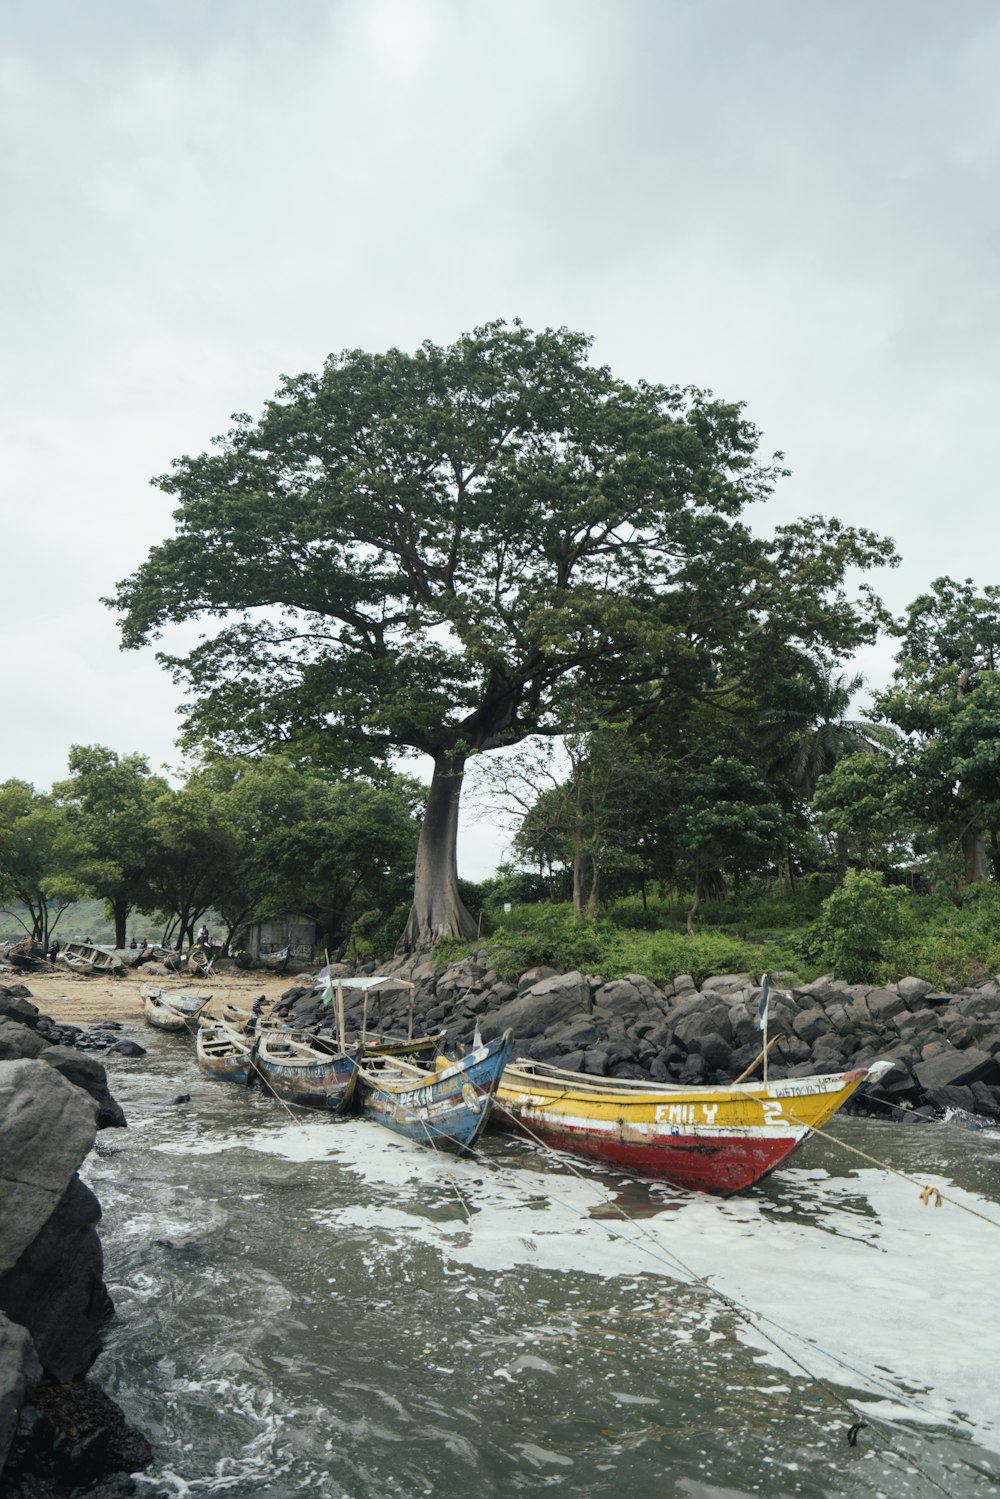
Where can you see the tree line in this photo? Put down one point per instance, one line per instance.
(785, 782)
(498, 543)
(244, 839)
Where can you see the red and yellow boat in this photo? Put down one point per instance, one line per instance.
(719, 1139)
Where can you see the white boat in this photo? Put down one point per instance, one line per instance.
(170, 1010)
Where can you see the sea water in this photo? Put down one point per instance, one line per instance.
(313, 1307)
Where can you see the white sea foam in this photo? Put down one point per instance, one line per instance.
(867, 1286)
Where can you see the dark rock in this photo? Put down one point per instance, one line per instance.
(74, 1436)
(20, 1371)
(727, 982)
(596, 1062)
(88, 1074)
(47, 1127)
(953, 1069)
(951, 1098)
(126, 1048)
(885, 1004)
(987, 1100)
(578, 1033)
(19, 1042)
(964, 1033)
(56, 1289)
(540, 1008)
(912, 989)
(808, 1025)
(533, 976)
(181, 1098)
(711, 1018)
(627, 1069)
(715, 1052)
(15, 1007)
(620, 997)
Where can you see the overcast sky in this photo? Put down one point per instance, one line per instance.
(791, 204)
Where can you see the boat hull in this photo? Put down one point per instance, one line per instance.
(449, 1108)
(311, 1081)
(718, 1140)
(222, 1054)
(177, 1012)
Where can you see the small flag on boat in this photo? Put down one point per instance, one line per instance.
(477, 1036)
(326, 998)
(762, 1005)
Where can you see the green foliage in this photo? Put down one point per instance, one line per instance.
(110, 799)
(453, 549)
(451, 950)
(40, 857)
(532, 935)
(860, 928)
(946, 698)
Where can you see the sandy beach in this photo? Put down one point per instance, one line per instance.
(76, 1000)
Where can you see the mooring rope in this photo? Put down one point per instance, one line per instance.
(755, 1320)
(927, 1193)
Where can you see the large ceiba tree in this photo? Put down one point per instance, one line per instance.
(449, 550)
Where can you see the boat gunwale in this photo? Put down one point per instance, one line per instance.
(521, 1076)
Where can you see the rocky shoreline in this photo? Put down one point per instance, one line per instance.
(945, 1047)
(58, 1429)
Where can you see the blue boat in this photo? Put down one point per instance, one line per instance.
(297, 1073)
(446, 1106)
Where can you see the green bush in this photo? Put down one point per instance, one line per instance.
(861, 929)
(532, 935)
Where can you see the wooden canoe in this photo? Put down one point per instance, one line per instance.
(84, 957)
(717, 1139)
(222, 1053)
(447, 1106)
(170, 1010)
(297, 1072)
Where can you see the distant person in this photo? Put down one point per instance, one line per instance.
(54, 950)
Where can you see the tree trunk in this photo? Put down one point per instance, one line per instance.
(577, 869)
(437, 909)
(842, 856)
(974, 856)
(120, 910)
(593, 899)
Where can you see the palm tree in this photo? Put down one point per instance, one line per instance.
(808, 734)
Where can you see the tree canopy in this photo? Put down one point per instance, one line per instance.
(449, 550)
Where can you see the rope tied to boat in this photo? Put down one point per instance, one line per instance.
(927, 1192)
(753, 1319)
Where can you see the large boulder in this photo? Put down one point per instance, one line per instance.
(18, 1042)
(911, 989)
(563, 997)
(50, 1255)
(20, 1371)
(885, 1004)
(16, 1007)
(47, 1127)
(86, 1073)
(955, 1069)
(711, 1017)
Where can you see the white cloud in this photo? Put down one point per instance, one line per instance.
(793, 205)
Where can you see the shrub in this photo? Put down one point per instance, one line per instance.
(861, 928)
